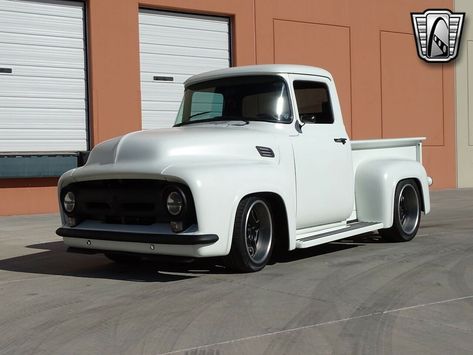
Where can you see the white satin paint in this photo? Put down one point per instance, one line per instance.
(220, 164)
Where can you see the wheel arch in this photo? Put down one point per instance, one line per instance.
(419, 187)
(375, 187)
(280, 218)
(210, 184)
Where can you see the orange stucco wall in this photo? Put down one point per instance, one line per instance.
(27, 196)
(385, 89)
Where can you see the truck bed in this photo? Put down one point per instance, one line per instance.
(400, 148)
(371, 149)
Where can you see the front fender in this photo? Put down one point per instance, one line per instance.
(375, 186)
(217, 190)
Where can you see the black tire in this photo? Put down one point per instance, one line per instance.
(407, 213)
(253, 235)
(123, 259)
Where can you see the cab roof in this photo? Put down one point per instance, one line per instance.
(263, 69)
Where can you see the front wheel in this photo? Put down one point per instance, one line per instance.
(407, 212)
(252, 243)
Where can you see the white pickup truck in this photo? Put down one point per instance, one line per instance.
(258, 158)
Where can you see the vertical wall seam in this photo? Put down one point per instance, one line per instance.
(274, 40)
(255, 30)
(351, 82)
(468, 90)
(381, 85)
(443, 108)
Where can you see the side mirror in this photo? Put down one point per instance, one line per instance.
(299, 126)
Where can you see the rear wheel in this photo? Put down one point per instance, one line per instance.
(252, 243)
(407, 212)
(122, 258)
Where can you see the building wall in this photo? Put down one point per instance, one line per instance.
(385, 89)
(464, 99)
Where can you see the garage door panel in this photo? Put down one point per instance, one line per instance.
(209, 23)
(156, 105)
(28, 23)
(148, 48)
(41, 40)
(163, 86)
(64, 9)
(43, 100)
(19, 118)
(184, 34)
(159, 119)
(41, 87)
(40, 103)
(149, 76)
(45, 72)
(42, 56)
(152, 92)
(185, 40)
(42, 134)
(179, 46)
(180, 65)
(42, 145)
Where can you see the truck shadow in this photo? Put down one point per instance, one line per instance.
(55, 260)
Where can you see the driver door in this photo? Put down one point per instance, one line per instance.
(322, 153)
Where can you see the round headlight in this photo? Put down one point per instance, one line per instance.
(69, 202)
(175, 203)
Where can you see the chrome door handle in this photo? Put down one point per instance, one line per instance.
(340, 140)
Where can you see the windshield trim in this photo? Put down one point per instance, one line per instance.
(246, 119)
(227, 118)
(214, 119)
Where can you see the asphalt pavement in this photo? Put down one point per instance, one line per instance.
(358, 296)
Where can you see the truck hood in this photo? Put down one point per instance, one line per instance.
(199, 144)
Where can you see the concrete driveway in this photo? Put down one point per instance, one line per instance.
(360, 296)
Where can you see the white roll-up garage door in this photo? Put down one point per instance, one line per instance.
(42, 76)
(172, 48)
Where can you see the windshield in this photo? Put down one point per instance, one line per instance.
(248, 98)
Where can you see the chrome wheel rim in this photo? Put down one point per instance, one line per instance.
(258, 231)
(408, 207)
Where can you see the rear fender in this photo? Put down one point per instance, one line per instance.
(375, 186)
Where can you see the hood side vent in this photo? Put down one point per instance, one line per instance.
(265, 152)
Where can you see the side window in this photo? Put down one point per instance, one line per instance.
(313, 102)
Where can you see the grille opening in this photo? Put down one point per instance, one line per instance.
(98, 206)
(138, 207)
(138, 202)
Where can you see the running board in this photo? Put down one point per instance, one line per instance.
(349, 231)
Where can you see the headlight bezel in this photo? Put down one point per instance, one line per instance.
(69, 198)
(183, 205)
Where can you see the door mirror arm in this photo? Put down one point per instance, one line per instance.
(299, 126)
